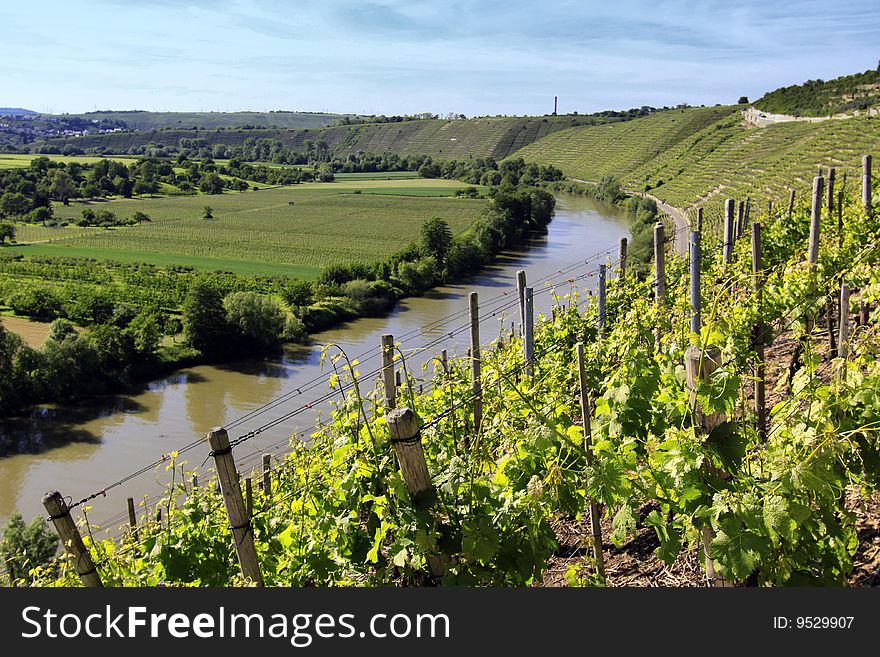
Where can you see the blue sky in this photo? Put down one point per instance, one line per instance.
(392, 56)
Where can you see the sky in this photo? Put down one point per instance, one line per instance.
(398, 57)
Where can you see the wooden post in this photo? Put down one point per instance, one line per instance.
(747, 212)
(159, 515)
(758, 333)
(388, 371)
(840, 215)
(444, 361)
(521, 291)
(728, 231)
(659, 264)
(476, 366)
(242, 533)
(59, 514)
(595, 526)
(601, 302)
(699, 366)
(864, 313)
(529, 337)
(696, 304)
(829, 192)
(699, 220)
(622, 257)
(740, 213)
(866, 186)
(132, 519)
(815, 220)
(843, 335)
(406, 438)
(769, 208)
(267, 475)
(249, 496)
(195, 482)
(790, 204)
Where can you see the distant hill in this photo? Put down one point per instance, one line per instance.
(16, 111)
(444, 139)
(142, 120)
(820, 98)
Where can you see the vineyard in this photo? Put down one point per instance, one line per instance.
(715, 158)
(723, 404)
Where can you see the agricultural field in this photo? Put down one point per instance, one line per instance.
(17, 160)
(293, 230)
(33, 333)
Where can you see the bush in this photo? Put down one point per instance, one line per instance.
(36, 302)
(204, 318)
(25, 547)
(298, 293)
(257, 321)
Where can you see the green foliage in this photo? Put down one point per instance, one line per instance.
(7, 232)
(436, 239)
(26, 547)
(821, 98)
(257, 322)
(204, 318)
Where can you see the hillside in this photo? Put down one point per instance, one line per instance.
(443, 139)
(141, 120)
(825, 98)
(696, 161)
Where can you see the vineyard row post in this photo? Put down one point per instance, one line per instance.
(813, 252)
(595, 525)
(728, 232)
(406, 438)
(758, 333)
(230, 488)
(790, 204)
(866, 186)
(59, 514)
(388, 371)
(622, 257)
(601, 304)
(476, 366)
(267, 475)
(132, 519)
(529, 333)
(521, 292)
(843, 337)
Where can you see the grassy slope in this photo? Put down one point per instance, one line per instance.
(698, 162)
(290, 230)
(489, 136)
(823, 98)
(157, 120)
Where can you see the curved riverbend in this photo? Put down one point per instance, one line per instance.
(104, 440)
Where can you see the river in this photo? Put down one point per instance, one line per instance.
(91, 445)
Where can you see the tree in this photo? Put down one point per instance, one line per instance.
(41, 215)
(743, 100)
(208, 213)
(204, 318)
(25, 547)
(257, 320)
(141, 217)
(146, 331)
(7, 231)
(61, 186)
(211, 183)
(609, 189)
(298, 293)
(13, 204)
(436, 239)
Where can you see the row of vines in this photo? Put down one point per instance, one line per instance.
(339, 513)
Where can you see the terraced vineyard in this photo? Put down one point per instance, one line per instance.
(707, 156)
(294, 230)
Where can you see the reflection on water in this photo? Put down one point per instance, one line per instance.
(85, 447)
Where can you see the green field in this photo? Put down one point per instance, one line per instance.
(140, 120)
(292, 230)
(18, 161)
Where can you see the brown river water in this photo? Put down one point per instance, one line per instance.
(93, 444)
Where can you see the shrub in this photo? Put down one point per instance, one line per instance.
(25, 547)
(256, 320)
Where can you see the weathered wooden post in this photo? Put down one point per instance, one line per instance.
(866, 186)
(132, 519)
(239, 523)
(622, 257)
(699, 220)
(444, 361)
(406, 438)
(740, 214)
(840, 216)
(758, 333)
(388, 371)
(696, 303)
(195, 484)
(476, 365)
(829, 191)
(595, 517)
(843, 336)
(790, 204)
(267, 475)
(728, 232)
(521, 291)
(601, 301)
(249, 496)
(659, 264)
(813, 253)
(529, 337)
(59, 514)
(747, 212)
